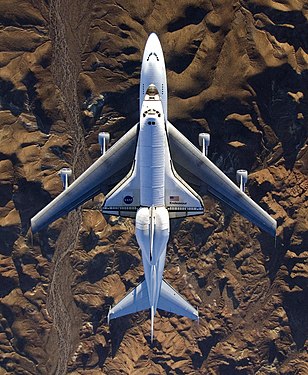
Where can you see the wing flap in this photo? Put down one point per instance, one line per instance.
(91, 182)
(216, 182)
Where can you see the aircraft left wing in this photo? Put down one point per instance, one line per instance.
(97, 178)
(210, 177)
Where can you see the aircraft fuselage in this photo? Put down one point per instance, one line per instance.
(152, 218)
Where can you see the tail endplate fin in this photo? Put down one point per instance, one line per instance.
(152, 323)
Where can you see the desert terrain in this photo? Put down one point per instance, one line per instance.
(235, 68)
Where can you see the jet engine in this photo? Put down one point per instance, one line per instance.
(103, 140)
(65, 174)
(204, 142)
(242, 178)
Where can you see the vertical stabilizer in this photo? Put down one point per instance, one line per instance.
(152, 323)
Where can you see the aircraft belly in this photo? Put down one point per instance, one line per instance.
(152, 233)
(152, 251)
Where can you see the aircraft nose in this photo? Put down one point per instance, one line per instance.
(153, 42)
(153, 37)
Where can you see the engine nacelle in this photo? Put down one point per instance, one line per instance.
(65, 174)
(103, 140)
(242, 178)
(204, 142)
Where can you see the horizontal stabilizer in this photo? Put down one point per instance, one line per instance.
(134, 301)
(171, 301)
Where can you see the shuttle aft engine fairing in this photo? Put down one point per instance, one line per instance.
(152, 192)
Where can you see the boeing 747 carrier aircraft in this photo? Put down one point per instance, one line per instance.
(153, 192)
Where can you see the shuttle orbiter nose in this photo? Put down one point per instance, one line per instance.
(153, 71)
(153, 49)
(153, 41)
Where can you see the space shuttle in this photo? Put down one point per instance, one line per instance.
(159, 161)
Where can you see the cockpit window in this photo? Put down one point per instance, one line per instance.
(152, 90)
(152, 53)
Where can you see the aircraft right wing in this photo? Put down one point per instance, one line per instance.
(100, 176)
(188, 157)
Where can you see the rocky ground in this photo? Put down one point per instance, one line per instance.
(69, 69)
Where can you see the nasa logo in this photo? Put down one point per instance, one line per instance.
(128, 199)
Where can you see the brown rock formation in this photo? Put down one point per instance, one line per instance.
(69, 69)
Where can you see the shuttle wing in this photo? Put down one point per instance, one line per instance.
(180, 199)
(99, 177)
(189, 158)
(124, 198)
